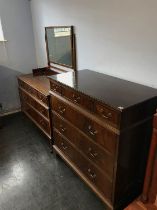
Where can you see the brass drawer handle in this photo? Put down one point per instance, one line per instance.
(91, 153)
(63, 129)
(91, 131)
(61, 110)
(106, 116)
(64, 146)
(76, 98)
(91, 174)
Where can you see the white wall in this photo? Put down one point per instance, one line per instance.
(18, 54)
(116, 37)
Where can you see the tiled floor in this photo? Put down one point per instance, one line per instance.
(31, 178)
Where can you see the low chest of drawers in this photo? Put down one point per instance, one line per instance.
(34, 96)
(102, 129)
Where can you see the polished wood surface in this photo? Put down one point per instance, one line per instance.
(117, 93)
(138, 205)
(112, 127)
(39, 83)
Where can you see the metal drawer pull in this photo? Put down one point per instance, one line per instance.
(92, 154)
(63, 146)
(106, 116)
(91, 131)
(63, 129)
(91, 174)
(76, 98)
(61, 110)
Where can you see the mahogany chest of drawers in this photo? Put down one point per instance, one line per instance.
(34, 96)
(102, 129)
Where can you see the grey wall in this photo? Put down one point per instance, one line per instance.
(17, 56)
(114, 37)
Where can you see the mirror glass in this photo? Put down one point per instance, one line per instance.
(59, 42)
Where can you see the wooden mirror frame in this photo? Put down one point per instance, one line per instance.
(73, 51)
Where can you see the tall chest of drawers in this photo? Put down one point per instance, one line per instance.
(102, 129)
(34, 96)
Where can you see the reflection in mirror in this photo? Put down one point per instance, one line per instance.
(60, 47)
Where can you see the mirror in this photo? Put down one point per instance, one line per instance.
(60, 43)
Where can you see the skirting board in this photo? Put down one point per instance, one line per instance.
(9, 112)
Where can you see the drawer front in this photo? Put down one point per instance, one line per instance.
(107, 114)
(44, 124)
(98, 179)
(103, 159)
(35, 104)
(103, 111)
(97, 133)
(33, 92)
(54, 86)
(79, 99)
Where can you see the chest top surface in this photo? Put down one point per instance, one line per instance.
(110, 90)
(40, 83)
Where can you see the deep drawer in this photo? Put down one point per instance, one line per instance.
(25, 97)
(103, 159)
(98, 179)
(40, 121)
(96, 132)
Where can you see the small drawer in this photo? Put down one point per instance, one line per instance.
(93, 152)
(107, 114)
(79, 99)
(55, 87)
(96, 177)
(93, 130)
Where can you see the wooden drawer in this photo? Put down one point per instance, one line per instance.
(98, 179)
(33, 92)
(25, 97)
(54, 86)
(79, 99)
(96, 132)
(95, 153)
(40, 121)
(103, 111)
(107, 114)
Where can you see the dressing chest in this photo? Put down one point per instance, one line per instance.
(34, 96)
(102, 129)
